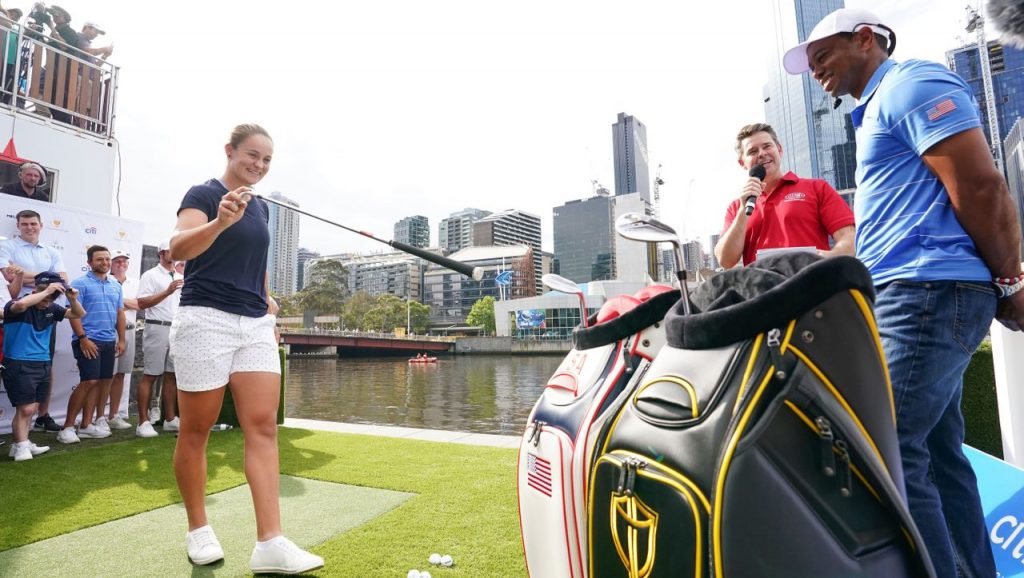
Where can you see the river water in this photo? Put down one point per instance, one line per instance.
(476, 393)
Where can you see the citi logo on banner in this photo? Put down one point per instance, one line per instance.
(90, 230)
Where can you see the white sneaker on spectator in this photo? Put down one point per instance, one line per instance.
(101, 422)
(154, 414)
(67, 436)
(145, 430)
(171, 425)
(93, 431)
(21, 453)
(33, 449)
(282, 556)
(119, 423)
(203, 547)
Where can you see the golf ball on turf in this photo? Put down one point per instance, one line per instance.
(446, 560)
(435, 558)
(413, 574)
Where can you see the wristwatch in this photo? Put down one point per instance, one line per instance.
(1007, 286)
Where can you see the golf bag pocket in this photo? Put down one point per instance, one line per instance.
(633, 533)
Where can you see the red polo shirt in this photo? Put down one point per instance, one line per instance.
(796, 213)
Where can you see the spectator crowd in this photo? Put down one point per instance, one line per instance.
(101, 307)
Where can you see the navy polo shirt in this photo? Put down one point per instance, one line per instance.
(230, 275)
(27, 334)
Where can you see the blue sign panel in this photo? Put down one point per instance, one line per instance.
(1002, 499)
(503, 278)
(530, 319)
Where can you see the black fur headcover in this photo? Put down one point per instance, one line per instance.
(742, 302)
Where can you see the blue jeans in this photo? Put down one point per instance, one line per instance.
(929, 332)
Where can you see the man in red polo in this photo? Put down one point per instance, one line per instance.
(789, 211)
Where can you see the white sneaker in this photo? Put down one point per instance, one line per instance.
(101, 423)
(21, 452)
(282, 556)
(67, 436)
(33, 449)
(203, 547)
(145, 430)
(93, 432)
(119, 423)
(154, 414)
(172, 425)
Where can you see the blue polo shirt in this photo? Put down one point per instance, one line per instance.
(34, 258)
(906, 227)
(230, 275)
(27, 334)
(101, 298)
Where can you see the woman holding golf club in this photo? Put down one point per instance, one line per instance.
(223, 335)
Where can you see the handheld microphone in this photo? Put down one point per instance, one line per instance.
(1008, 17)
(758, 172)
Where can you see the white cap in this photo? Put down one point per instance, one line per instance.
(120, 253)
(91, 24)
(842, 20)
(164, 246)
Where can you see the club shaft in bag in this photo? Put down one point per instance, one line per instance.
(474, 273)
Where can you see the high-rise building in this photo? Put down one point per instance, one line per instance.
(414, 231)
(584, 250)
(817, 138)
(1006, 64)
(456, 232)
(629, 148)
(283, 256)
(631, 257)
(305, 255)
(451, 295)
(714, 264)
(395, 273)
(511, 227)
(1013, 153)
(693, 257)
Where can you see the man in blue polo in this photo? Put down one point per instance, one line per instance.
(938, 231)
(98, 339)
(26, 251)
(29, 322)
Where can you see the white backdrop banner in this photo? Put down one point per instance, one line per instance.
(71, 231)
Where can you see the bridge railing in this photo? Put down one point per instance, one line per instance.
(367, 334)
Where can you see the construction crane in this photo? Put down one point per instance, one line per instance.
(657, 195)
(976, 24)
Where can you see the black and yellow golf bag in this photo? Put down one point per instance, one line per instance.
(761, 442)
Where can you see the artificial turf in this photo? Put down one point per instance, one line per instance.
(463, 501)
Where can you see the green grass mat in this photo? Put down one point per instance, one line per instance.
(464, 500)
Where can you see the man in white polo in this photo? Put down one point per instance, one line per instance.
(159, 292)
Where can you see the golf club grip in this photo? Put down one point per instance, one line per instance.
(452, 264)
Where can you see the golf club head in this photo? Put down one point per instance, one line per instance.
(561, 284)
(637, 227)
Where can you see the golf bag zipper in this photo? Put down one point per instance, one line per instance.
(534, 438)
(828, 459)
(845, 481)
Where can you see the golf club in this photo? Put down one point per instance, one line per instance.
(637, 227)
(474, 273)
(563, 285)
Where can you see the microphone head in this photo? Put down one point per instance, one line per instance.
(758, 172)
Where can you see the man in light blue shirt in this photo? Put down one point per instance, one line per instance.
(98, 339)
(26, 252)
(937, 229)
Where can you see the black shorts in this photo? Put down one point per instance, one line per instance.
(102, 367)
(26, 382)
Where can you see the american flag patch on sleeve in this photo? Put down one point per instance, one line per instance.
(943, 108)
(538, 474)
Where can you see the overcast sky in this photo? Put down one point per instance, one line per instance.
(381, 110)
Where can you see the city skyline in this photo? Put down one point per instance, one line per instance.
(459, 105)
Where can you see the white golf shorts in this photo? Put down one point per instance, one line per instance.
(208, 345)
